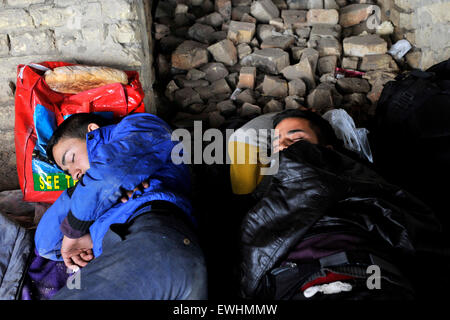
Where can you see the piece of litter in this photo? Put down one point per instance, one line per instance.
(328, 288)
(235, 93)
(385, 28)
(399, 49)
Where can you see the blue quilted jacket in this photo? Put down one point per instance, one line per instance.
(121, 156)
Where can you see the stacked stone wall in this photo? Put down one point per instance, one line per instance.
(110, 33)
(425, 24)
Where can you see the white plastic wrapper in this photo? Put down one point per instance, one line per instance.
(355, 139)
(399, 49)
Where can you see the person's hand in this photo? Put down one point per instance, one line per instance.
(77, 252)
(127, 194)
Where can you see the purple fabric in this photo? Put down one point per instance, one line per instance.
(44, 278)
(70, 232)
(324, 245)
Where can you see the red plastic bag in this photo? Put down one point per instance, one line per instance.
(38, 110)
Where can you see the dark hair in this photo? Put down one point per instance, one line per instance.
(76, 126)
(320, 126)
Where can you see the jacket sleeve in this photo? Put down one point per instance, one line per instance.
(48, 237)
(139, 147)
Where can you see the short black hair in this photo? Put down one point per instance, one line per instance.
(320, 126)
(75, 126)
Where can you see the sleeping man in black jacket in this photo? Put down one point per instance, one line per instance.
(328, 227)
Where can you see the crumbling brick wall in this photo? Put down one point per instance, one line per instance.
(425, 24)
(105, 32)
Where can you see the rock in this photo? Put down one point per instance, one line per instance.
(183, 19)
(214, 71)
(201, 33)
(185, 83)
(326, 31)
(303, 32)
(327, 64)
(264, 10)
(330, 4)
(249, 110)
(214, 19)
(188, 55)
(354, 100)
(304, 70)
(243, 50)
(350, 63)
(247, 77)
(224, 51)
(413, 59)
(204, 92)
(361, 29)
(269, 60)
(293, 19)
(326, 46)
(238, 12)
(293, 102)
(215, 119)
(297, 87)
(161, 31)
(282, 42)
(220, 87)
(377, 80)
(275, 87)
(353, 85)
(241, 3)
(223, 7)
(196, 108)
(277, 23)
(328, 77)
(359, 46)
(355, 13)
(232, 79)
(181, 8)
(170, 90)
(281, 4)
(305, 4)
(297, 52)
(385, 28)
(378, 62)
(273, 106)
(168, 44)
(195, 74)
(226, 108)
(264, 31)
(324, 97)
(241, 32)
(248, 18)
(312, 55)
(187, 96)
(322, 16)
(254, 43)
(219, 36)
(246, 96)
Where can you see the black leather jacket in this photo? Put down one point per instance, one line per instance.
(317, 186)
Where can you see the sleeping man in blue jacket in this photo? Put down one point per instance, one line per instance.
(142, 248)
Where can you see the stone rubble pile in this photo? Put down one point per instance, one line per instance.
(218, 60)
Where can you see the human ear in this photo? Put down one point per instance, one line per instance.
(92, 127)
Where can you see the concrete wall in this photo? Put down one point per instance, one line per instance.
(112, 33)
(424, 23)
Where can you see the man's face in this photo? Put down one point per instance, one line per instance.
(71, 156)
(291, 130)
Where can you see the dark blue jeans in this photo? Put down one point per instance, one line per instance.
(155, 256)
